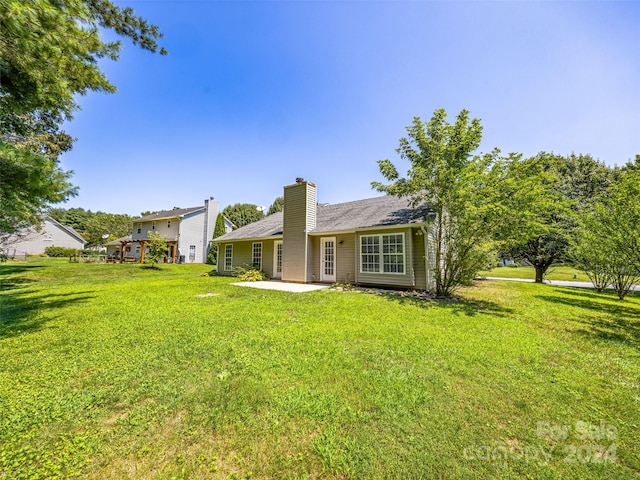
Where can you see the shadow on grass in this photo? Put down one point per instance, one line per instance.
(456, 306)
(20, 310)
(605, 317)
(14, 269)
(9, 282)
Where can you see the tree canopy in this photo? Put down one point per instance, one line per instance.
(461, 189)
(96, 227)
(49, 53)
(569, 185)
(276, 206)
(241, 214)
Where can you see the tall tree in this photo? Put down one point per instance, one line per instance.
(571, 184)
(49, 53)
(28, 182)
(607, 243)
(464, 191)
(157, 246)
(241, 214)
(76, 218)
(276, 206)
(104, 227)
(218, 231)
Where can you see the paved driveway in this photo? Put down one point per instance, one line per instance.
(559, 283)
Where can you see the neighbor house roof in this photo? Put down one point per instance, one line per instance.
(349, 216)
(178, 212)
(117, 241)
(70, 230)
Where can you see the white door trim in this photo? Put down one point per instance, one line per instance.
(327, 263)
(277, 274)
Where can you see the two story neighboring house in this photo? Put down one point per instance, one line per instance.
(188, 232)
(377, 241)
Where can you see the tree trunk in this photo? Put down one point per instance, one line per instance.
(540, 269)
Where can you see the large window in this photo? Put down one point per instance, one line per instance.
(382, 253)
(257, 255)
(228, 257)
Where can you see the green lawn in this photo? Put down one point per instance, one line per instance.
(116, 371)
(554, 273)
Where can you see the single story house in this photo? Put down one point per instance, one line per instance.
(378, 241)
(188, 232)
(33, 241)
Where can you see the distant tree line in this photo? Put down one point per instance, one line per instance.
(97, 228)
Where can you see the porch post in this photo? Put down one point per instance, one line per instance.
(142, 251)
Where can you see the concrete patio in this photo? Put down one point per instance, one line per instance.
(284, 286)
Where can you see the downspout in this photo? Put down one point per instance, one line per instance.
(205, 238)
(427, 263)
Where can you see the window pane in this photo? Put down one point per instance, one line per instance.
(370, 254)
(228, 257)
(257, 255)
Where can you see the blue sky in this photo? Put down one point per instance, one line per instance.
(255, 94)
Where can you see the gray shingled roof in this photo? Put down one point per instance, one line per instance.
(72, 231)
(369, 213)
(179, 212)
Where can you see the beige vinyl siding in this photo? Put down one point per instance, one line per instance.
(419, 259)
(431, 255)
(391, 279)
(345, 257)
(300, 204)
(242, 256)
(313, 260)
(267, 257)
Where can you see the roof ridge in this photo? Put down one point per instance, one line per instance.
(359, 201)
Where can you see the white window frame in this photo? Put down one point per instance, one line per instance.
(381, 254)
(139, 228)
(257, 264)
(228, 257)
(192, 253)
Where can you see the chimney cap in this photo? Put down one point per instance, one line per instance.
(299, 179)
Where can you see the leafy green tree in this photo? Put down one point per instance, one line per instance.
(76, 218)
(49, 53)
(465, 192)
(276, 206)
(582, 179)
(241, 214)
(28, 182)
(570, 185)
(589, 250)
(157, 246)
(607, 243)
(218, 231)
(111, 225)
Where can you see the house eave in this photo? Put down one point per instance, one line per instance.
(315, 233)
(248, 239)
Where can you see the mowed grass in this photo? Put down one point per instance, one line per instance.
(116, 371)
(554, 273)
